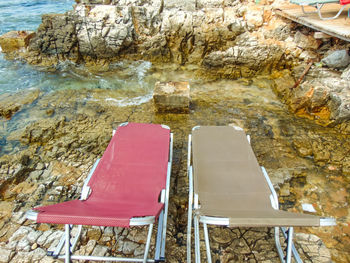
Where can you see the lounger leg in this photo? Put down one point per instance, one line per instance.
(289, 245)
(67, 243)
(76, 238)
(159, 236)
(196, 239)
(278, 244)
(189, 230)
(148, 243)
(319, 7)
(294, 250)
(207, 244)
(189, 233)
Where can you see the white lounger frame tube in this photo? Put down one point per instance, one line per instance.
(318, 7)
(136, 221)
(193, 204)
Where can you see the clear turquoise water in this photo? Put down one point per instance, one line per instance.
(16, 75)
(24, 15)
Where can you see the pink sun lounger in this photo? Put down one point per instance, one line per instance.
(128, 186)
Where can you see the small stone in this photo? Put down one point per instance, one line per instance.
(321, 35)
(99, 251)
(108, 231)
(337, 59)
(129, 247)
(37, 254)
(284, 191)
(42, 239)
(40, 166)
(23, 245)
(19, 217)
(53, 240)
(172, 97)
(94, 233)
(137, 235)
(88, 248)
(221, 235)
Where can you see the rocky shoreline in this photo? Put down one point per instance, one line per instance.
(213, 40)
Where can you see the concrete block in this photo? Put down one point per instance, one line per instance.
(172, 97)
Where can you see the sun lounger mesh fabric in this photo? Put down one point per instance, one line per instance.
(230, 183)
(126, 183)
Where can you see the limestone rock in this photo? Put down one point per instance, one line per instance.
(15, 40)
(5, 255)
(189, 5)
(346, 74)
(100, 251)
(172, 96)
(306, 42)
(337, 59)
(249, 52)
(254, 17)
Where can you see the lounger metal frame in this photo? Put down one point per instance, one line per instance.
(193, 204)
(69, 245)
(318, 7)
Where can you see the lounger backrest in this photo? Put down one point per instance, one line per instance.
(226, 172)
(134, 165)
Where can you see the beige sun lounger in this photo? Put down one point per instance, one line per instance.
(229, 188)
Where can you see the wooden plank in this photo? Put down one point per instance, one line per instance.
(339, 27)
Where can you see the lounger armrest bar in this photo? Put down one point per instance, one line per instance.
(162, 196)
(222, 221)
(274, 199)
(327, 221)
(141, 221)
(237, 128)
(85, 191)
(32, 215)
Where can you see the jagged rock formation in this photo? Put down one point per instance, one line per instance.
(222, 36)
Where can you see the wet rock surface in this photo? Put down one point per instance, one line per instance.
(10, 103)
(323, 97)
(15, 40)
(307, 163)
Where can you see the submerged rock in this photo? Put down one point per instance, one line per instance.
(10, 103)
